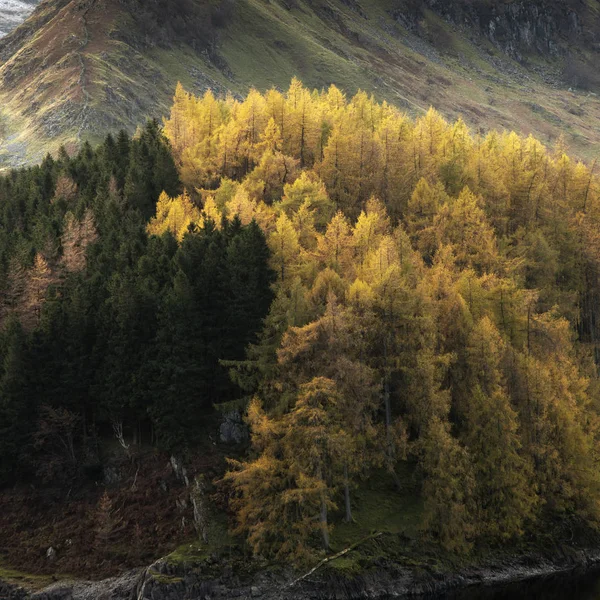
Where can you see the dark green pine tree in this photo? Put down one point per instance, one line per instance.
(220, 295)
(250, 282)
(189, 338)
(17, 408)
(152, 170)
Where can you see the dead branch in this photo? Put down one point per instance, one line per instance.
(336, 556)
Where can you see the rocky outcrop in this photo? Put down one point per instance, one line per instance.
(117, 588)
(233, 430)
(11, 592)
(518, 28)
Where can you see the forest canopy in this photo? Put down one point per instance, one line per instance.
(436, 302)
(373, 290)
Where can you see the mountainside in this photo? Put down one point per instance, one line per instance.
(77, 68)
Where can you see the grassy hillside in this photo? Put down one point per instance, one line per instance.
(77, 68)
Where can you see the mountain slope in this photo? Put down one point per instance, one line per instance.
(77, 68)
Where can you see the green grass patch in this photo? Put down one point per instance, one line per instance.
(27, 581)
(378, 506)
(165, 579)
(266, 45)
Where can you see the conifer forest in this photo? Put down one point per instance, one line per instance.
(379, 296)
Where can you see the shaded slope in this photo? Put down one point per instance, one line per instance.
(78, 68)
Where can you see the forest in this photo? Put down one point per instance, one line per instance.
(105, 329)
(370, 289)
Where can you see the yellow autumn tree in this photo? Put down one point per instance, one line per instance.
(437, 293)
(174, 215)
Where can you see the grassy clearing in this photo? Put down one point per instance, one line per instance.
(27, 581)
(379, 506)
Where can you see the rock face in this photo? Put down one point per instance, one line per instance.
(118, 588)
(551, 28)
(521, 27)
(13, 13)
(233, 430)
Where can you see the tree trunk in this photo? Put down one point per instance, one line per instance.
(386, 401)
(323, 515)
(390, 451)
(324, 527)
(347, 495)
(83, 421)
